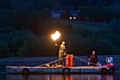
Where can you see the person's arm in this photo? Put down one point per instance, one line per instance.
(65, 51)
(57, 45)
(97, 59)
(88, 56)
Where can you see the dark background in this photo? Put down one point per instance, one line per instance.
(26, 26)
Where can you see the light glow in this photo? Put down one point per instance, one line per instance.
(56, 35)
(70, 18)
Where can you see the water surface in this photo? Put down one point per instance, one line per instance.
(61, 77)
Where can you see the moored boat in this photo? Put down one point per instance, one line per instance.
(108, 68)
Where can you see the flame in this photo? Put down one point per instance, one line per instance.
(56, 35)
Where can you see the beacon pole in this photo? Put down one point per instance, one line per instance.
(55, 36)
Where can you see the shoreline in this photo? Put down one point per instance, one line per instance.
(42, 60)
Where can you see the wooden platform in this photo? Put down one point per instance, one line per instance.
(59, 70)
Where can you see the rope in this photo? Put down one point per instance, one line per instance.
(65, 58)
(52, 61)
(84, 60)
(80, 59)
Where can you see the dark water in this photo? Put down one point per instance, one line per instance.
(116, 76)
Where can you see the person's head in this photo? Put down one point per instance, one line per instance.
(111, 57)
(93, 52)
(63, 42)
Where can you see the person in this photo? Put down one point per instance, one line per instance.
(62, 52)
(109, 59)
(93, 59)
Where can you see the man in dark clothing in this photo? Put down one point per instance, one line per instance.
(93, 59)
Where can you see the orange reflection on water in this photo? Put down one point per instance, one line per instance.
(60, 77)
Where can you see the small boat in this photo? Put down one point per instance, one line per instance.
(108, 68)
(105, 69)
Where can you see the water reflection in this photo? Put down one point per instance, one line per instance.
(60, 77)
